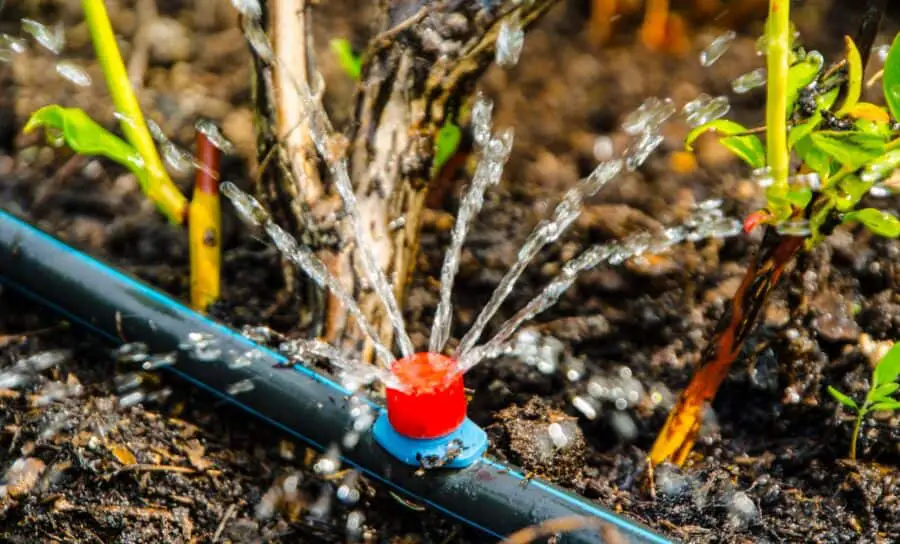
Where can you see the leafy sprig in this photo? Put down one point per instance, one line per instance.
(850, 146)
(880, 397)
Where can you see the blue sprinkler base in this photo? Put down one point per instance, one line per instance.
(469, 440)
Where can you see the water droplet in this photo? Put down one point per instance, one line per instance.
(246, 359)
(122, 118)
(132, 352)
(44, 360)
(259, 334)
(131, 399)
(329, 462)
(574, 370)
(704, 109)
(717, 48)
(510, 41)
(322, 507)
(397, 224)
(646, 144)
(127, 382)
(749, 81)
(157, 362)
(267, 505)
(258, 40)
(12, 380)
(52, 39)
(13, 43)
(201, 346)
(649, 116)
(794, 228)
(159, 396)
(248, 8)
(670, 482)
(762, 176)
(482, 111)
(742, 510)
(355, 521)
(881, 191)
(585, 406)
(74, 73)
(11, 46)
(557, 435)
(348, 492)
(242, 386)
(214, 135)
(604, 149)
(249, 210)
(623, 424)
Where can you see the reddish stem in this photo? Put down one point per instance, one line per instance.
(209, 156)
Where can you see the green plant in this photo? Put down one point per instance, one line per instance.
(845, 148)
(448, 137)
(879, 397)
(138, 153)
(848, 149)
(350, 62)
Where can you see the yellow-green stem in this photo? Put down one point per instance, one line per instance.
(158, 187)
(778, 47)
(853, 439)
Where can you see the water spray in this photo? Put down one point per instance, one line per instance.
(492, 497)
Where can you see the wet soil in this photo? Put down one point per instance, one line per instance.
(770, 466)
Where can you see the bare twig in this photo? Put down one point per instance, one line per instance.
(147, 14)
(228, 515)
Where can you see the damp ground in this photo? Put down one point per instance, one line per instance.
(770, 465)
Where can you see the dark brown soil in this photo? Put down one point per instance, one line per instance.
(770, 466)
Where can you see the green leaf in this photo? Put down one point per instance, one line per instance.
(880, 223)
(349, 61)
(445, 145)
(888, 368)
(800, 197)
(891, 79)
(828, 99)
(86, 137)
(813, 157)
(854, 77)
(874, 128)
(888, 406)
(842, 398)
(802, 130)
(748, 148)
(883, 391)
(852, 189)
(851, 149)
(802, 74)
(882, 167)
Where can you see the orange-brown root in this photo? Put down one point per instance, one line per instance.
(600, 26)
(656, 25)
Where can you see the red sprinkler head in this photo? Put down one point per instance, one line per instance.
(433, 402)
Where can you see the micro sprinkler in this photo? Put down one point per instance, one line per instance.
(490, 496)
(424, 422)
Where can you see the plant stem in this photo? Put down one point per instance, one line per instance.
(204, 227)
(159, 187)
(676, 439)
(778, 37)
(856, 426)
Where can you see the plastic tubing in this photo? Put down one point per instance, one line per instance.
(490, 496)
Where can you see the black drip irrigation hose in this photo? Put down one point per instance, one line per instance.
(490, 496)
